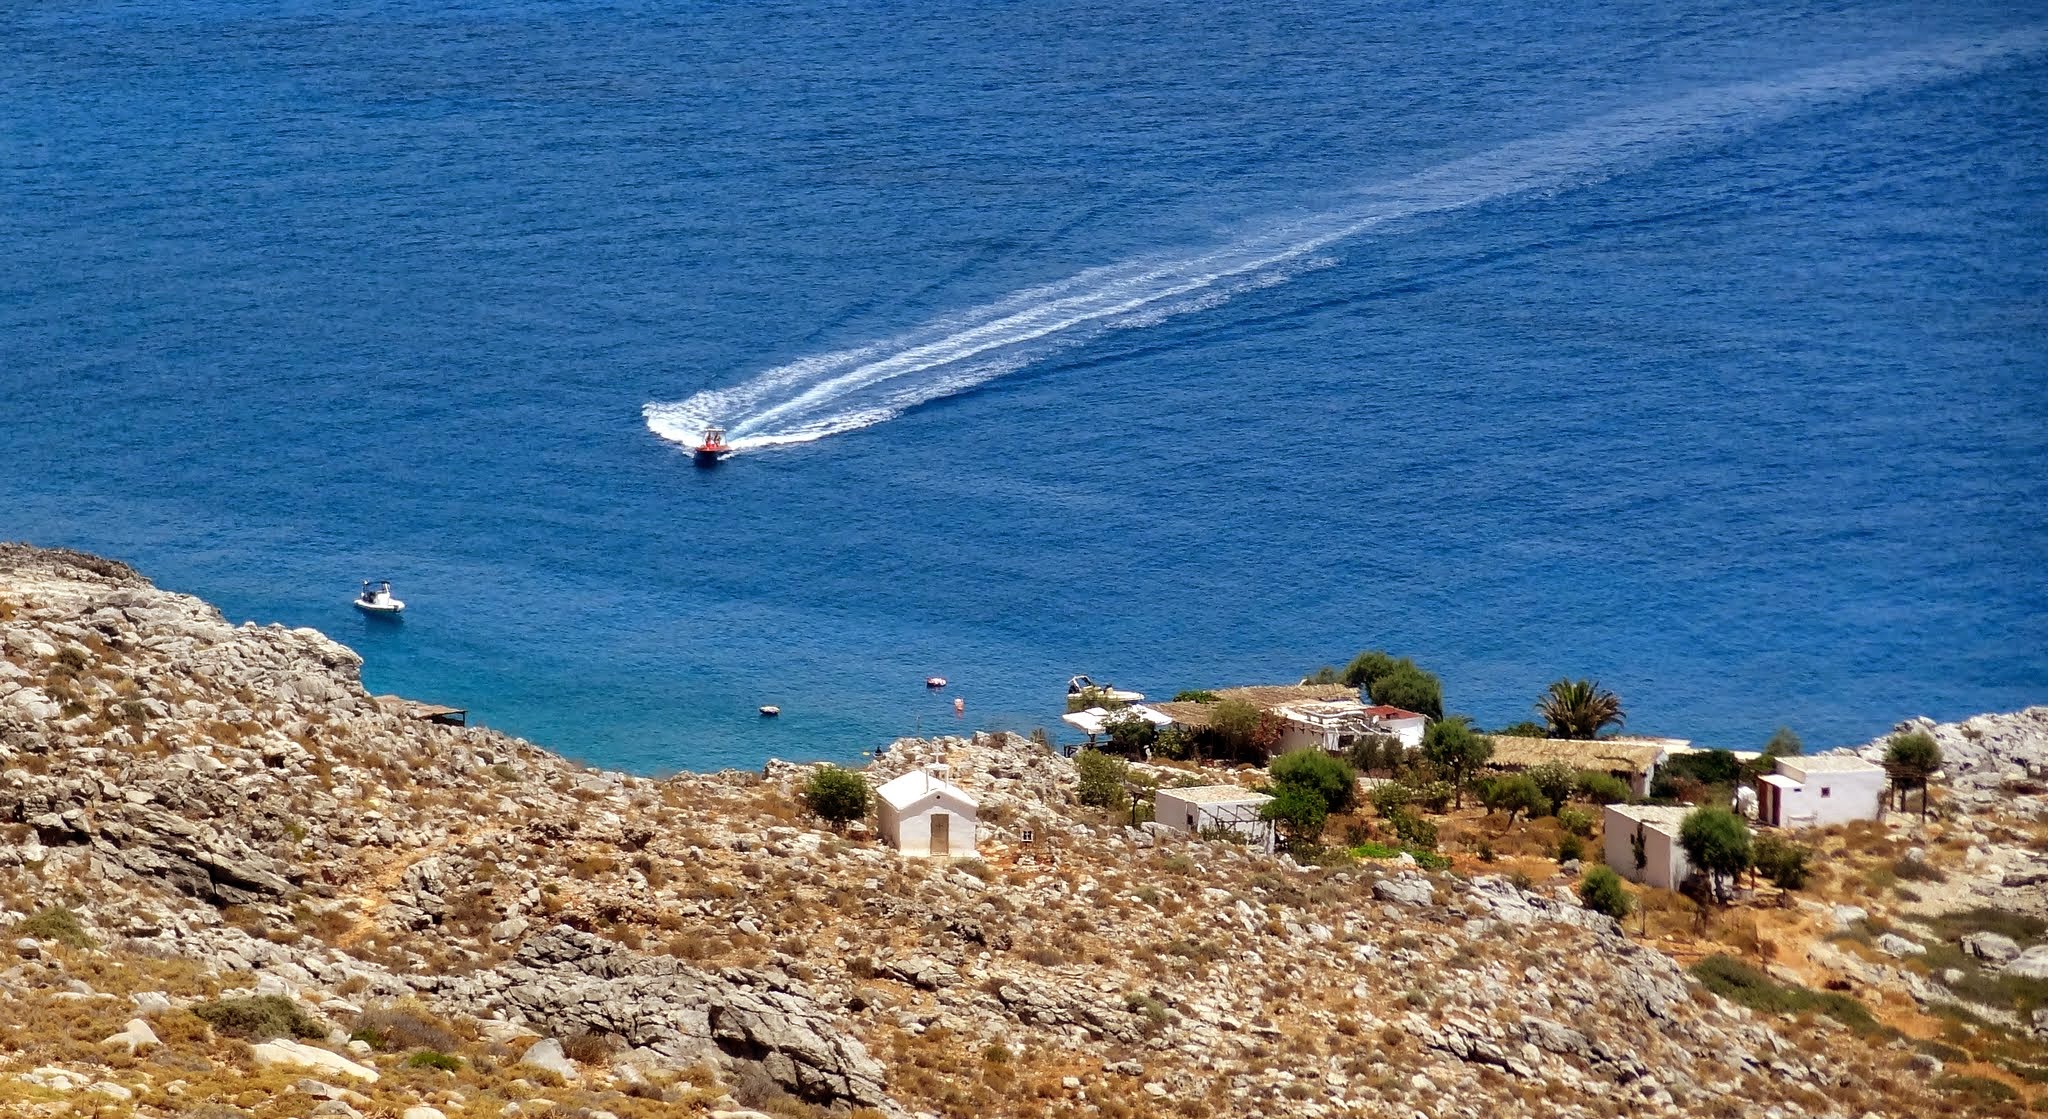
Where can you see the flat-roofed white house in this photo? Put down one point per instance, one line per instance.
(1333, 725)
(1820, 790)
(1202, 807)
(924, 815)
(1664, 864)
(1404, 725)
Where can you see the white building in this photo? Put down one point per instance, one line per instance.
(1820, 790)
(1664, 864)
(920, 814)
(1334, 724)
(1202, 807)
(1404, 725)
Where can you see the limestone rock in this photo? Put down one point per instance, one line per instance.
(294, 1054)
(1407, 888)
(546, 1055)
(1991, 947)
(135, 1037)
(2030, 964)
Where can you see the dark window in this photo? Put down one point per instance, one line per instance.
(1823, 791)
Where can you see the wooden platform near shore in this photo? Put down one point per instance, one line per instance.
(426, 712)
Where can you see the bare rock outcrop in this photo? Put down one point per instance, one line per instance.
(574, 982)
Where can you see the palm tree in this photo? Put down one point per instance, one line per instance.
(1579, 709)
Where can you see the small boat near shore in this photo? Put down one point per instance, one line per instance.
(376, 599)
(935, 681)
(711, 449)
(770, 711)
(1081, 684)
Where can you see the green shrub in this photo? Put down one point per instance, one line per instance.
(1129, 733)
(1602, 892)
(428, 1058)
(1780, 860)
(1196, 696)
(1316, 772)
(1390, 798)
(836, 796)
(1513, 794)
(1746, 986)
(1429, 860)
(1102, 779)
(1416, 833)
(1367, 667)
(1708, 767)
(1577, 821)
(1571, 849)
(1555, 779)
(1524, 729)
(1602, 788)
(1409, 688)
(1299, 813)
(259, 1018)
(1369, 752)
(1370, 850)
(1175, 742)
(54, 923)
(1434, 796)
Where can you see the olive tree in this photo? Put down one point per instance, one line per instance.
(1716, 841)
(1912, 760)
(837, 796)
(1455, 748)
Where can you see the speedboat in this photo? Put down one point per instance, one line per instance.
(376, 599)
(935, 681)
(769, 711)
(713, 448)
(1081, 684)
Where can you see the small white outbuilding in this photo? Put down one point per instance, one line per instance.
(1200, 808)
(922, 814)
(1664, 864)
(1820, 790)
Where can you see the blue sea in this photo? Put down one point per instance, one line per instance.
(1701, 348)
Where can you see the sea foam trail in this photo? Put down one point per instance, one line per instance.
(845, 390)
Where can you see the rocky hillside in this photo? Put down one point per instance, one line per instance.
(235, 884)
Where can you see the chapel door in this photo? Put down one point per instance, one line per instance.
(942, 833)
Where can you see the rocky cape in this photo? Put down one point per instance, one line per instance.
(227, 813)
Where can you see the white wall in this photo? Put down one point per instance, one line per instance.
(911, 831)
(1194, 818)
(1409, 731)
(1835, 797)
(1665, 866)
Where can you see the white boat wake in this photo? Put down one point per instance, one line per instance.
(845, 390)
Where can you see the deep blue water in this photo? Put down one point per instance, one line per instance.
(1698, 347)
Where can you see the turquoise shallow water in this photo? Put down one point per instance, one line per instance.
(1700, 349)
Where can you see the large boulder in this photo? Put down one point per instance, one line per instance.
(292, 1054)
(1407, 889)
(2030, 964)
(1991, 947)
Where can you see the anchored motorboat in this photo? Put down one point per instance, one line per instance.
(769, 711)
(713, 447)
(376, 598)
(935, 681)
(1080, 684)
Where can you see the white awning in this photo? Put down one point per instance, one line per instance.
(1090, 722)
